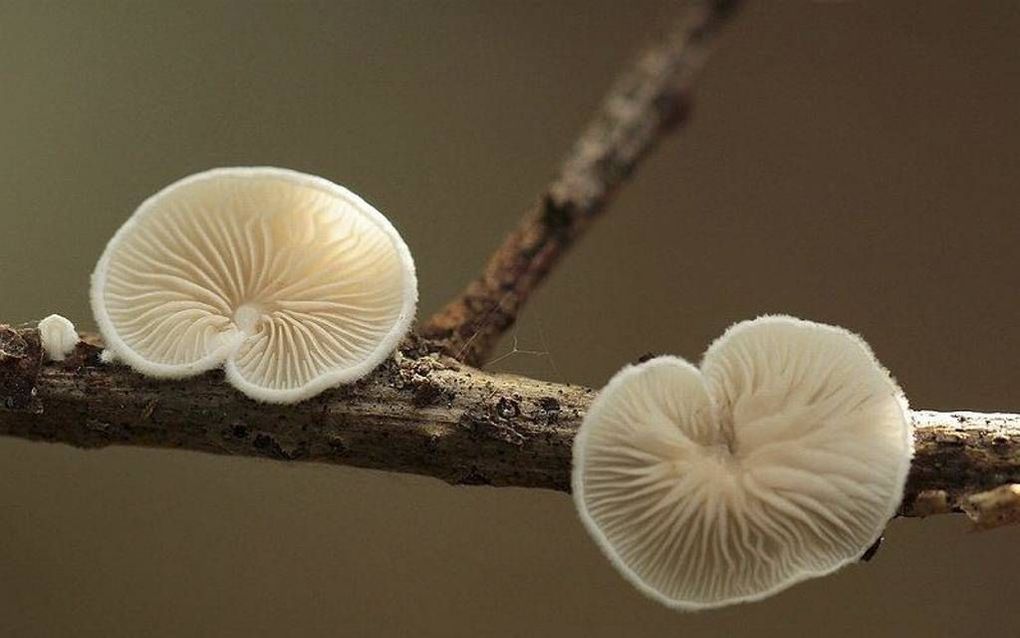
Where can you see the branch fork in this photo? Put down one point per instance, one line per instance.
(427, 410)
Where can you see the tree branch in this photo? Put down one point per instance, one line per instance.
(421, 413)
(646, 102)
(424, 411)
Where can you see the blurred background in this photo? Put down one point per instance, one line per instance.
(851, 162)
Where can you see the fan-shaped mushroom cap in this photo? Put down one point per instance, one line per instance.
(292, 282)
(782, 458)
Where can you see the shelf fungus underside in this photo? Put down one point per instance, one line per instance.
(782, 458)
(293, 283)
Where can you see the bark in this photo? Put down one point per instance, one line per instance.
(422, 413)
(645, 103)
(426, 412)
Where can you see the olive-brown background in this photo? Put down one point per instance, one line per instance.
(855, 163)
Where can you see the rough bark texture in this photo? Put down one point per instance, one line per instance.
(426, 413)
(422, 413)
(645, 102)
(419, 413)
(979, 451)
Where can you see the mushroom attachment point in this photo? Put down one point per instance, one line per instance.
(293, 283)
(781, 459)
(58, 337)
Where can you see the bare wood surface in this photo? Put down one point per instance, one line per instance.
(420, 413)
(645, 102)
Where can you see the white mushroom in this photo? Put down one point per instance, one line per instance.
(58, 337)
(291, 282)
(781, 459)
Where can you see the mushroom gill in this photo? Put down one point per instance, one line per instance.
(782, 458)
(291, 282)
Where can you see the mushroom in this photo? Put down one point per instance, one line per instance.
(781, 459)
(293, 283)
(58, 337)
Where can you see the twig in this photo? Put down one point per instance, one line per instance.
(426, 413)
(645, 103)
(420, 413)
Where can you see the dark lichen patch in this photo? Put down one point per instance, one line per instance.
(487, 423)
(298, 451)
(267, 446)
(431, 443)
(426, 393)
(87, 353)
(507, 408)
(95, 425)
(337, 446)
(1001, 443)
(549, 404)
(546, 412)
(473, 477)
(415, 347)
(20, 363)
(150, 409)
(414, 376)
(84, 356)
(424, 367)
(103, 432)
(12, 344)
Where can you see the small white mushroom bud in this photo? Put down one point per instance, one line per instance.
(293, 283)
(58, 337)
(781, 459)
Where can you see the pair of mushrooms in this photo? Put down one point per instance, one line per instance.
(780, 459)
